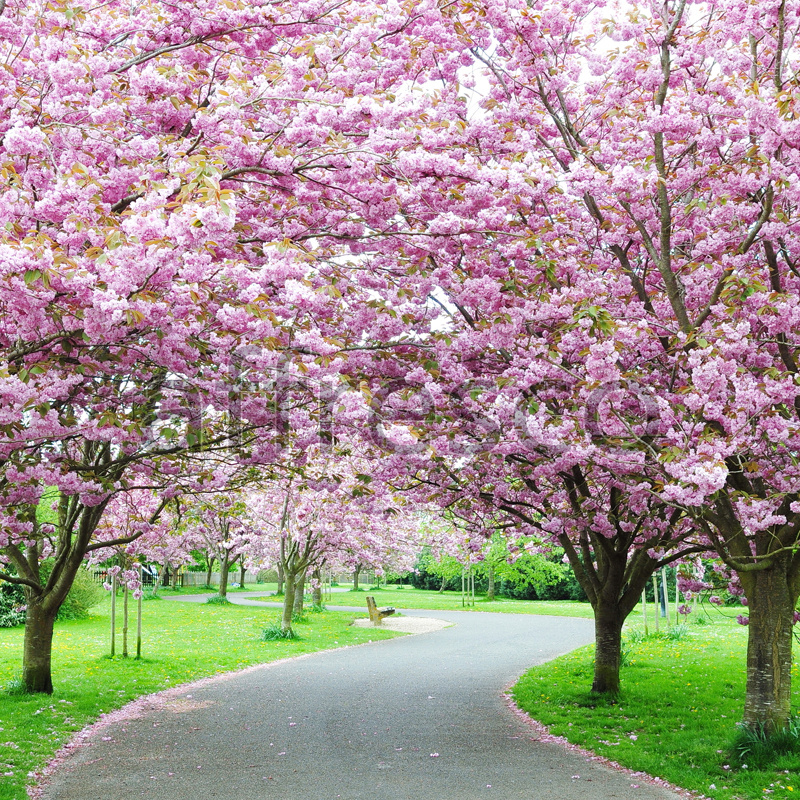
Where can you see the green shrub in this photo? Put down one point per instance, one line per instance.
(12, 605)
(83, 595)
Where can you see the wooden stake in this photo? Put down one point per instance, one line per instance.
(139, 627)
(472, 585)
(125, 622)
(113, 615)
(644, 611)
(657, 601)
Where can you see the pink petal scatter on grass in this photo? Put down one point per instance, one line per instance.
(165, 700)
(543, 735)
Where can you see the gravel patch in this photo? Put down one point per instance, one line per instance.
(407, 624)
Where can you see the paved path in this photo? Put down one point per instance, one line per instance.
(416, 717)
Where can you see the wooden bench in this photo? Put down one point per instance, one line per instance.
(377, 614)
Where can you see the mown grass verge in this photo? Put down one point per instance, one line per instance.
(181, 642)
(676, 718)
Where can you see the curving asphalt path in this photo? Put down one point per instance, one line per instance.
(417, 717)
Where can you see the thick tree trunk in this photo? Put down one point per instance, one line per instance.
(224, 571)
(299, 590)
(242, 575)
(608, 621)
(769, 648)
(37, 649)
(356, 575)
(490, 582)
(288, 600)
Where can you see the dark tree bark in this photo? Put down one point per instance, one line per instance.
(771, 604)
(356, 575)
(768, 566)
(38, 648)
(608, 622)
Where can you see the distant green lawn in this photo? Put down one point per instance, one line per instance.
(680, 704)
(408, 597)
(182, 642)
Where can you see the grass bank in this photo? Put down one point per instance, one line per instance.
(677, 714)
(181, 642)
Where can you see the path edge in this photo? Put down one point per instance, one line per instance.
(543, 735)
(140, 705)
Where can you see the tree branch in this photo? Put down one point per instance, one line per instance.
(766, 211)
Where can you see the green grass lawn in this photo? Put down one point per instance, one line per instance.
(681, 700)
(408, 597)
(677, 714)
(181, 642)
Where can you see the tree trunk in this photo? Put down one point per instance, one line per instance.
(316, 595)
(299, 589)
(288, 601)
(125, 621)
(37, 650)
(356, 574)
(242, 575)
(211, 561)
(224, 571)
(444, 583)
(608, 621)
(490, 579)
(769, 647)
(281, 570)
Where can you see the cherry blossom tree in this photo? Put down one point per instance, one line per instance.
(176, 181)
(327, 511)
(219, 525)
(612, 238)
